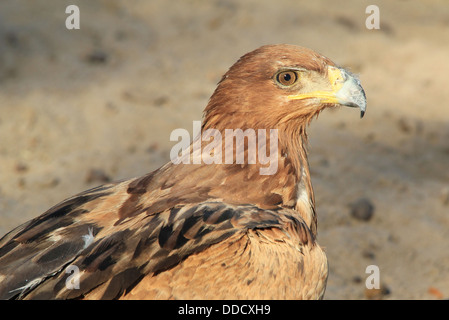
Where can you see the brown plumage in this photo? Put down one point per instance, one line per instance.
(199, 231)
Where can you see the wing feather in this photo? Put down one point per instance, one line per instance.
(36, 255)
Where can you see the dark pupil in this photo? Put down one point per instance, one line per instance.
(287, 77)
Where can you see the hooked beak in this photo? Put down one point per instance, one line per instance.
(346, 90)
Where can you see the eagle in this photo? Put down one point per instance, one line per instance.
(197, 230)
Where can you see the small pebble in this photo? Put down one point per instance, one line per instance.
(160, 101)
(153, 147)
(97, 175)
(21, 167)
(347, 22)
(362, 209)
(97, 57)
(405, 125)
(377, 294)
(368, 254)
(409, 126)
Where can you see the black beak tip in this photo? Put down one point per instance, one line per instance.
(362, 113)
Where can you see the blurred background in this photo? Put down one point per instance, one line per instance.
(82, 107)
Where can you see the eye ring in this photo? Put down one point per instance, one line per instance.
(287, 78)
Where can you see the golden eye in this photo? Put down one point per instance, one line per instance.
(287, 78)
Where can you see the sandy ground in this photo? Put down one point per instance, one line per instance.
(79, 107)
